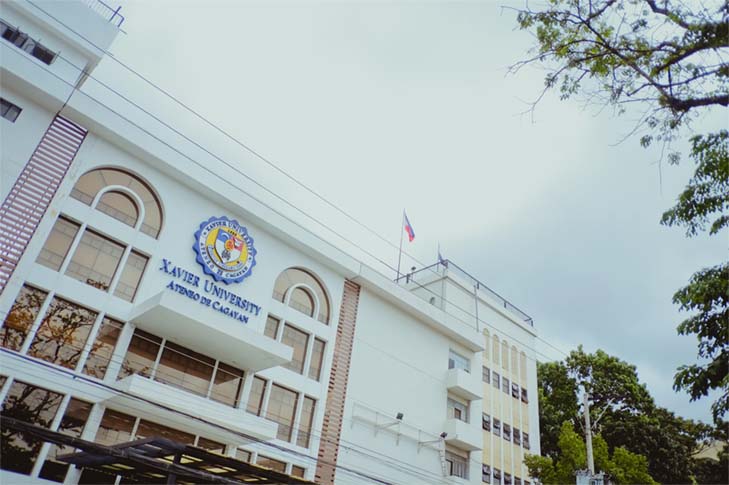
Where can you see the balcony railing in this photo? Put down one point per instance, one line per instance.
(108, 13)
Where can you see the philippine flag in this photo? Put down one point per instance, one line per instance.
(408, 228)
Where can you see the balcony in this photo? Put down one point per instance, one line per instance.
(464, 384)
(463, 435)
(209, 332)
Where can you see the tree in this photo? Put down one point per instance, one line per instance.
(667, 58)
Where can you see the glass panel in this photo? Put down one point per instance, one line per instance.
(281, 408)
(131, 275)
(255, 400)
(58, 243)
(276, 465)
(62, 334)
(297, 340)
(119, 206)
(21, 317)
(317, 356)
(186, 369)
(72, 424)
(33, 405)
(100, 355)
(307, 419)
(297, 471)
(147, 429)
(115, 428)
(302, 301)
(227, 385)
(95, 260)
(271, 329)
(141, 354)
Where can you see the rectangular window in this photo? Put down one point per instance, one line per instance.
(21, 317)
(524, 397)
(9, 111)
(486, 375)
(307, 420)
(485, 473)
(497, 427)
(275, 465)
(72, 424)
(456, 463)
(227, 385)
(59, 241)
(507, 432)
(458, 410)
(515, 390)
(496, 381)
(103, 348)
(317, 357)
(115, 428)
(297, 340)
(517, 436)
(507, 479)
(185, 369)
(298, 471)
(31, 404)
(95, 260)
(486, 422)
(457, 361)
(141, 354)
(525, 441)
(126, 287)
(505, 385)
(255, 399)
(271, 329)
(281, 409)
(62, 333)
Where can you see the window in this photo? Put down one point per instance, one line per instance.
(281, 409)
(22, 41)
(525, 440)
(457, 410)
(486, 422)
(456, 463)
(524, 397)
(95, 261)
(307, 420)
(255, 399)
(505, 385)
(275, 465)
(118, 204)
(507, 432)
(496, 381)
(298, 471)
(9, 111)
(317, 357)
(507, 479)
(100, 356)
(497, 427)
(21, 317)
(271, 328)
(517, 436)
(62, 334)
(72, 424)
(59, 241)
(126, 287)
(485, 473)
(515, 390)
(297, 340)
(497, 476)
(31, 404)
(457, 361)
(304, 292)
(486, 375)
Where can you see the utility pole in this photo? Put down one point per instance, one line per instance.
(588, 432)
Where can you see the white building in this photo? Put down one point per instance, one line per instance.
(144, 294)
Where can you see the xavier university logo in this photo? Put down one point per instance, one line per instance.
(224, 249)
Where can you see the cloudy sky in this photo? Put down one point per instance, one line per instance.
(380, 106)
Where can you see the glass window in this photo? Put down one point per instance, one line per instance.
(486, 422)
(227, 385)
(505, 385)
(296, 276)
(72, 424)
(21, 317)
(62, 334)
(255, 400)
(95, 260)
(486, 375)
(497, 427)
(496, 381)
(115, 428)
(275, 465)
(184, 368)
(302, 300)
(271, 329)
(457, 410)
(297, 340)
(507, 432)
(307, 420)
(281, 408)
(31, 404)
(104, 344)
(457, 361)
(485, 473)
(148, 429)
(119, 206)
(298, 471)
(131, 275)
(141, 354)
(317, 357)
(59, 241)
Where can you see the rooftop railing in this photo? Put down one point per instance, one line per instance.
(109, 13)
(446, 264)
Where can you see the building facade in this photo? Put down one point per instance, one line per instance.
(146, 292)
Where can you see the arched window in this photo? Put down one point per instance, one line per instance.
(124, 205)
(302, 291)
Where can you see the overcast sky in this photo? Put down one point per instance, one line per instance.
(381, 106)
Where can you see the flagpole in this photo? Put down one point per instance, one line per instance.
(399, 254)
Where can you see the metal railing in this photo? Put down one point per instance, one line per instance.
(447, 264)
(109, 13)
